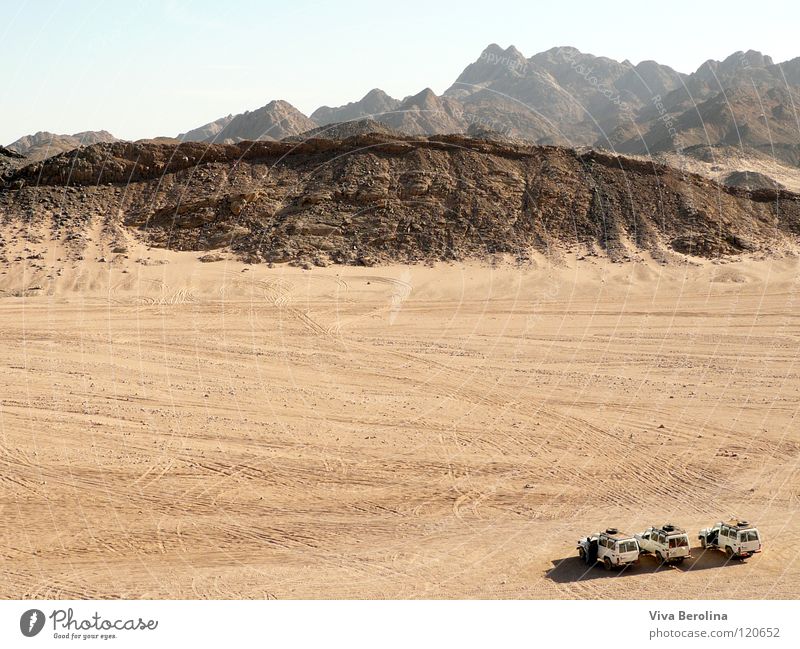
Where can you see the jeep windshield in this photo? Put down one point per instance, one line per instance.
(748, 535)
(626, 546)
(679, 541)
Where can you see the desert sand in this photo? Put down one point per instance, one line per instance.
(177, 429)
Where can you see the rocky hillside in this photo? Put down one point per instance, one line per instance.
(9, 160)
(372, 199)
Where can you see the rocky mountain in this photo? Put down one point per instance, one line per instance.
(494, 65)
(372, 199)
(275, 121)
(561, 96)
(374, 105)
(746, 101)
(44, 144)
(566, 97)
(425, 113)
(206, 132)
(741, 116)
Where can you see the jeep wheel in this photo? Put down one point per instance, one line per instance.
(729, 551)
(607, 563)
(582, 554)
(703, 542)
(659, 558)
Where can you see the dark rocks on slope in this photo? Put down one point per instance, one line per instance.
(373, 199)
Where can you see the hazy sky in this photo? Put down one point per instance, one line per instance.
(142, 68)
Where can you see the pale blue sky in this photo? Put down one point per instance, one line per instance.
(147, 68)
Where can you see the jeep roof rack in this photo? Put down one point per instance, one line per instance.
(614, 533)
(671, 528)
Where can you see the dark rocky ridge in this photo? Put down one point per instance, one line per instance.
(8, 153)
(344, 130)
(9, 160)
(751, 180)
(375, 198)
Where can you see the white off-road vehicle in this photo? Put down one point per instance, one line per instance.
(738, 539)
(609, 548)
(668, 543)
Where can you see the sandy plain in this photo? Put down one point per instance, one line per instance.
(177, 429)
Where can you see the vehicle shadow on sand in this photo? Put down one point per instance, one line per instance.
(571, 569)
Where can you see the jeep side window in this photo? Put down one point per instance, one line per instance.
(723, 531)
(646, 535)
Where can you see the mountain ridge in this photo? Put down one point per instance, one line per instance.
(564, 97)
(43, 144)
